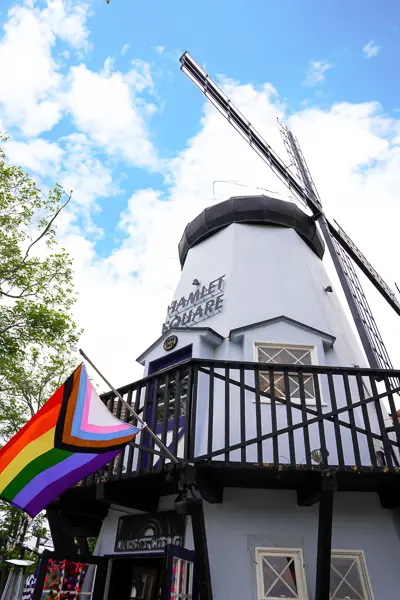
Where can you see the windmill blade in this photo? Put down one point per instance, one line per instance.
(344, 254)
(358, 257)
(339, 234)
(305, 191)
(379, 357)
(297, 157)
(223, 104)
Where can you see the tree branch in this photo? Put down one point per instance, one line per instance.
(46, 229)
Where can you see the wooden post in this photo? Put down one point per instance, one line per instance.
(322, 584)
(61, 533)
(202, 564)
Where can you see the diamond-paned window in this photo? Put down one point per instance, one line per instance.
(349, 576)
(286, 355)
(280, 574)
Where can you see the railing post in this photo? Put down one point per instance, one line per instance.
(323, 577)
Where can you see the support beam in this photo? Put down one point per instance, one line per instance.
(210, 489)
(83, 546)
(119, 494)
(84, 526)
(322, 584)
(389, 498)
(61, 533)
(203, 577)
(74, 502)
(308, 493)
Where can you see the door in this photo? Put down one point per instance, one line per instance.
(137, 578)
(180, 574)
(165, 431)
(144, 583)
(70, 578)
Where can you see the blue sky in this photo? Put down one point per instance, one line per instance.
(255, 41)
(93, 97)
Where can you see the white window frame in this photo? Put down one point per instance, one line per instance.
(188, 580)
(297, 555)
(314, 361)
(359, 557)
(74, 594)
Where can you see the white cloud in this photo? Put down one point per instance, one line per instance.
(370, 50)
(125, 49)
(106, 107)
(316, 72)
(29, 74)
(86, 175)
(37, 155)
(351, 150)
(67, 20)
(351, 153)
(159, 49)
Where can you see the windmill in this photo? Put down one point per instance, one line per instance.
(342, 249)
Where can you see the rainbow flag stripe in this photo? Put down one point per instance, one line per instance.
(71, 436)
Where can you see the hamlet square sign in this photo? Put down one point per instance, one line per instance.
(198, 306)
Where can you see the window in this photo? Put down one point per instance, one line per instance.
(69, 579)
(182, 579)
(349, 576)
(280, 574)
(287, 355)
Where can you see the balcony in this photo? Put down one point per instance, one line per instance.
(243, 424)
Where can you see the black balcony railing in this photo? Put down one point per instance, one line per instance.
(281, 416)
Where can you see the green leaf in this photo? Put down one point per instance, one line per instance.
(38, 336)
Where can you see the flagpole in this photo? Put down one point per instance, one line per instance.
(143, 424)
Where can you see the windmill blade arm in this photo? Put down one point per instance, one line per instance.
(358, 257)
(221, 101)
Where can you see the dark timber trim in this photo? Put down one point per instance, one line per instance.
(202, 564)
(61, 533)
(209, 487)
(267, 453)
(114, 493)
(309, 492)
(389, 498)
(322, 584)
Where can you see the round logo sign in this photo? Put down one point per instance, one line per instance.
(170, 342)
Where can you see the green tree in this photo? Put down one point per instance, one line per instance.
(38, 335)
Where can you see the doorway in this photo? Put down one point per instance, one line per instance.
(136, 578)
(172, 359)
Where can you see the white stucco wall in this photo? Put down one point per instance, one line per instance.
(269, 271)
(271, 518)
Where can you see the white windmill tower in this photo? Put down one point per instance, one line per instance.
(260, 387)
